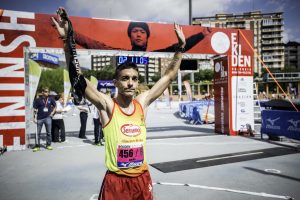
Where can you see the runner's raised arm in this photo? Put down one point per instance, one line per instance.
(81, 86)
(149, 96)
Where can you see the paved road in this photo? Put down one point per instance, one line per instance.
(217, 167)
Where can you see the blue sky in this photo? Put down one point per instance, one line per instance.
(163, 10)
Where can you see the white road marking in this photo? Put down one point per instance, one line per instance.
(94, 197)
(72, 146)
(272, 171)
(261, 194)
(234, 156)
(197, 143)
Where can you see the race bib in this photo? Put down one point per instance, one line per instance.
(130, 155)
(45, 109)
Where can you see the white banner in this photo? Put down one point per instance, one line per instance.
(34, 78)
(67, 87)
(242, 102)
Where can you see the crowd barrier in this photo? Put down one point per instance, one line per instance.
(198, 112)
(281, 123)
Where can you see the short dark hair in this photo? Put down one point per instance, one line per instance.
(45, 89)
(57, 97)
(142, 25)
(125, 65)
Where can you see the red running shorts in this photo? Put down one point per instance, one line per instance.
(120, 187)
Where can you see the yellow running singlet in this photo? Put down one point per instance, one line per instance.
(125, 141)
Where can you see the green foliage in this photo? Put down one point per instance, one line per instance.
(204, 75)
(141, 79)
(156, 77)
(106, 73)
(186, 77)
(53, 79)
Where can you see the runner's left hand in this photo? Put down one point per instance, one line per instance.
(180, 35)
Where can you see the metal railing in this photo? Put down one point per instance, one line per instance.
(283, 76)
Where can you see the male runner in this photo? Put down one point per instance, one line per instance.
(123, 118)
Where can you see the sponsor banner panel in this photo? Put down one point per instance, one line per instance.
(67, 87)
(281, 123)
(17, 30)
(221, 95)
(242, 102)
(34, 78)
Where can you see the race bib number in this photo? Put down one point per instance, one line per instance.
(130, 155)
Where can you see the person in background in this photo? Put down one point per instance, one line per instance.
(58, 125)
(84, 110)
(44, 109)
(97, 126)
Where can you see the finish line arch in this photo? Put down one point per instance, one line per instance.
(233, 65)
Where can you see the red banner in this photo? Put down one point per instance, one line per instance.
(25, 29)
(221, 80)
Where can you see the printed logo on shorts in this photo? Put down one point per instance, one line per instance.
(130, 130)
(150, 187)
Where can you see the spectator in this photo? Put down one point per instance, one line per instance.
(44, 109)
(97, 126)
(84, 110)
(58, 125)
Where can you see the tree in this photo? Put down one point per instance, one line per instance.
(156, 77)
(107, 73)
(53, 79)
(204, 75)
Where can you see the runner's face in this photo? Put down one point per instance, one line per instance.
(127, 82)
(138, 37)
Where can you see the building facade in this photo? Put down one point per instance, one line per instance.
(268, 34)
(292, 55)
(100, 62)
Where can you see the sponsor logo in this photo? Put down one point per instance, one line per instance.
(150, 187)
(272, 122)
(220, 68)
(217, 67)
(107, 84)
(130, 130)
(34, 56)
(242, 90)
(130, 164)
(242, 104)
(220, 42)
(294, 126)
(50, 58)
